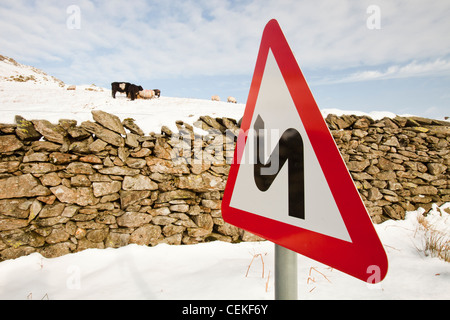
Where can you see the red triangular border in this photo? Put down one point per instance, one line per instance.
(361, 258)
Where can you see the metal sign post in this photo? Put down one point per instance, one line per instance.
(286, 285)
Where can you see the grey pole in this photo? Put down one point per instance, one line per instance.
(286, 285)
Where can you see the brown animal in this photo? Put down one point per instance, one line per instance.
(232, 99)
(146, 94)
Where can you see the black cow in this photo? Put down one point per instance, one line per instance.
(133, 91)
(119, 87)
(157, 93)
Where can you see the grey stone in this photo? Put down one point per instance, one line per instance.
(109, 121)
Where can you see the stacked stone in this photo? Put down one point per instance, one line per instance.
(104, 183)
(397, 164)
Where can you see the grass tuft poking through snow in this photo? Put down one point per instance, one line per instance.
(434, 231)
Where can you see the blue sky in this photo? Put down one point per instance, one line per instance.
(392, 57)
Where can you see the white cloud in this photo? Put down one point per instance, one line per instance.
(438, 67)
(181, 38)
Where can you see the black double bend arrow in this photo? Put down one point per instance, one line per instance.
(289, 148)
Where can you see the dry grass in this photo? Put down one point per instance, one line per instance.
(262, 261)
(30, 296)
(436, 243)
(313, 273)
(255, 256)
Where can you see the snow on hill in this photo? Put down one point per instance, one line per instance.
(31, 93)
(12, 71)
(206, 271)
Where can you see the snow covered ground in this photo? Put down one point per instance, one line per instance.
(56, 103)
(218, 271)
(45, 98)
(214, 270)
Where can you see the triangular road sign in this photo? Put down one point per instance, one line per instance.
(288, 182)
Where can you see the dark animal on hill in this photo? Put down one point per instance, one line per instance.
(133, 91)
(157, 93)
(119, 87)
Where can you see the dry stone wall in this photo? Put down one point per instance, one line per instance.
(397, 164)
(104, 183)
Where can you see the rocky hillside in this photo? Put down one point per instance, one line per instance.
(13, 71)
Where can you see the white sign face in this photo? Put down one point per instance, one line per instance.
(277, 109)
(288, 182)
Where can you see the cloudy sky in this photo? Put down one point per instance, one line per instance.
(368, 55)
